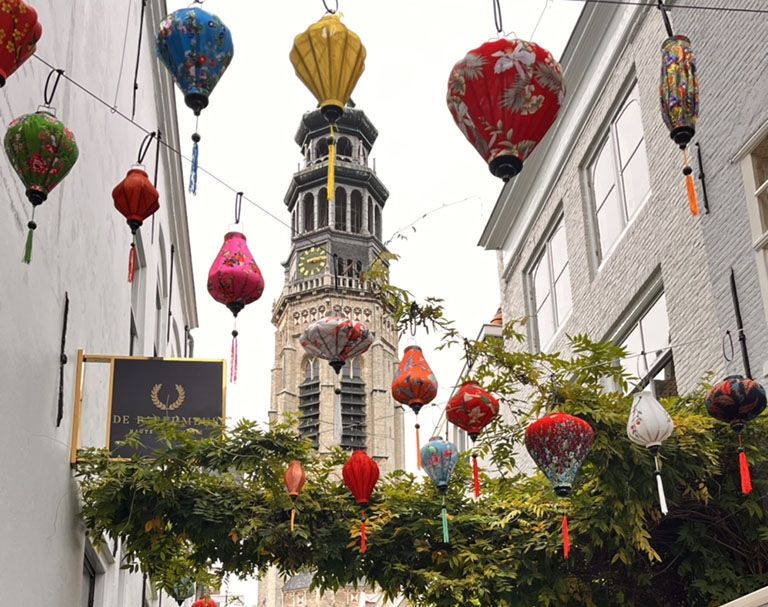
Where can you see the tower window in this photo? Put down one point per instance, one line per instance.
(321, 149)
(344, 147)
(340, 205)
(309, 402)
(370, 215)
(352, 406)
(357, 212)
(322, 208)
(309, 212)
(378, 222)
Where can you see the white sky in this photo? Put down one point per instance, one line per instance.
(421, 157)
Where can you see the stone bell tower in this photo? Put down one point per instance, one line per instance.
(334, 239)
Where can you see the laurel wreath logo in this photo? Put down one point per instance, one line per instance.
(154, 394)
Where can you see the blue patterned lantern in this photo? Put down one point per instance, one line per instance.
(438, 458)
(196, 47)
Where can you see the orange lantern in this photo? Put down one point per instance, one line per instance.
(294, 479)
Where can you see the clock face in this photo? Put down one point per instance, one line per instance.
(312, 261)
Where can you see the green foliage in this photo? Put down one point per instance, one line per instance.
(217, 504)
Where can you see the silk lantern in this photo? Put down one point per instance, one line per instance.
(205, 602)
(336, 338)
(294, 479)
(182, 590)
(360, 474)
(504, 96)
(439, 458)
(649, 425)
(236, 281)
(414, 385)
(136, 199)
(197, 49)
(559, 443)
(19, 33)
(42, 151)
(472, 408)
(679, 96)
(737, 400)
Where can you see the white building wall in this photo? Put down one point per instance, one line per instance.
(81, 248)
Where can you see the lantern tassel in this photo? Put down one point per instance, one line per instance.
(293, 517)
(363, 537)
(418, 447)
(476, 475)
(233, 358)
(446, 539)
(660, 485)
(566, 538)
(28, 245)
(193, 169)
(693, 201)
(332, 165)
(132, 262)
(746, 480)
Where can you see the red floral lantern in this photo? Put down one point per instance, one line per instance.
(361, 473)
(236, 281)
(137, 199)
(19, 33)
(205, 602)
(559, 443)
(336, 338)
(737, 400)
(504, 96)
(294, 479)
(415, 385)
(472, 408)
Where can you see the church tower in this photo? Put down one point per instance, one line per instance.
(334, 240)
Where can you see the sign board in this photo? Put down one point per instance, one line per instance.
(183, 390)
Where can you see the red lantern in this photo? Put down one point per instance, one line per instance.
(361, 473)
(559, 443)
(20, 32)
(136, 198)
(415, 385)
(205, 602)
(504, 96)
(294, 479)
(472, 408)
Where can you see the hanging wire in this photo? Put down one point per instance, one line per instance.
(653, 3)
(497, 19)
(138, 58)
(238, 206)
(538, 21)
(122, 55)
(329, 10)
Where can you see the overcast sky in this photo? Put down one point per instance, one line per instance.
(421, 157)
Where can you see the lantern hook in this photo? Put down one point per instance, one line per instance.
(238, 206)
(144, 147)
(329, 10)
(665, 17)
(729, 337)
(48, 94)
(497, 19)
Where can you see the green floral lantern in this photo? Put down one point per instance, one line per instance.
(42, 151)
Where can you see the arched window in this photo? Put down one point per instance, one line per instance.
(340, 206)
(321, 148)
(344, 147)
(322, 208)
(309, 212)
(312, 369)
(378, 222)
(353, 414)
(356, 211)
(370, 215)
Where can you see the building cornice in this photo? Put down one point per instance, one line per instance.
(352, 122)
(347, 173)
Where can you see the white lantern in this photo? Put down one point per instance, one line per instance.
(649, 425)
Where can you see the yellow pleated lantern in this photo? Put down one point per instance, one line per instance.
(329, 59)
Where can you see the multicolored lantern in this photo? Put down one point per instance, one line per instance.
(414, 385)
(737, 400)
(360, 474)
(42, 151)
(182, 590)
(19, 33)
(236, 281)
(559, 443)
(439, 458)
(679, 96)
(336, 338)
(294, 479)
(472, 408)
(197, 48)
(205, 602)
(649, 425)
(137, 199)
(504, 96)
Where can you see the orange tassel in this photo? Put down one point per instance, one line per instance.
(418, 448)
(476, 475)
(132, 263)
(363, 537)
(293, 517)
(746, 480)
(566, 538)
(693, 201)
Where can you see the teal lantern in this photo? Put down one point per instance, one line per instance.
(42, 151)
(438, 458)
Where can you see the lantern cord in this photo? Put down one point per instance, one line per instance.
(238, 206)
(157, 170)
(660, 486)
(665, 17)
(693, 201)
(566, 538)
(293, 518)
(48, 95)
(144, 147)
(233, 356)
(476, 476)
(27, 258)
(538, 21)
(132, 261)
(138, 58)
(723, 9)
(418, 446)
(746, 480)
(446, 538)
(363, 536)
(195, 156)
(329, 10)
(497, 20)
(122, 54)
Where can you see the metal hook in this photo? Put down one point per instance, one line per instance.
(497, 20)
(730, 340)
(238, 206)
(331, 11)
(144, 147)
(48, 97)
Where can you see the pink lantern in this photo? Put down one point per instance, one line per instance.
(235, 280)
(336, 338)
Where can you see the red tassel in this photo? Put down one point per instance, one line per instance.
(566, 538)
(693, 201)
(233, 359)
(132, 263)
(746, 480)
(418, 448)
(476, 475)
(363, 537)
